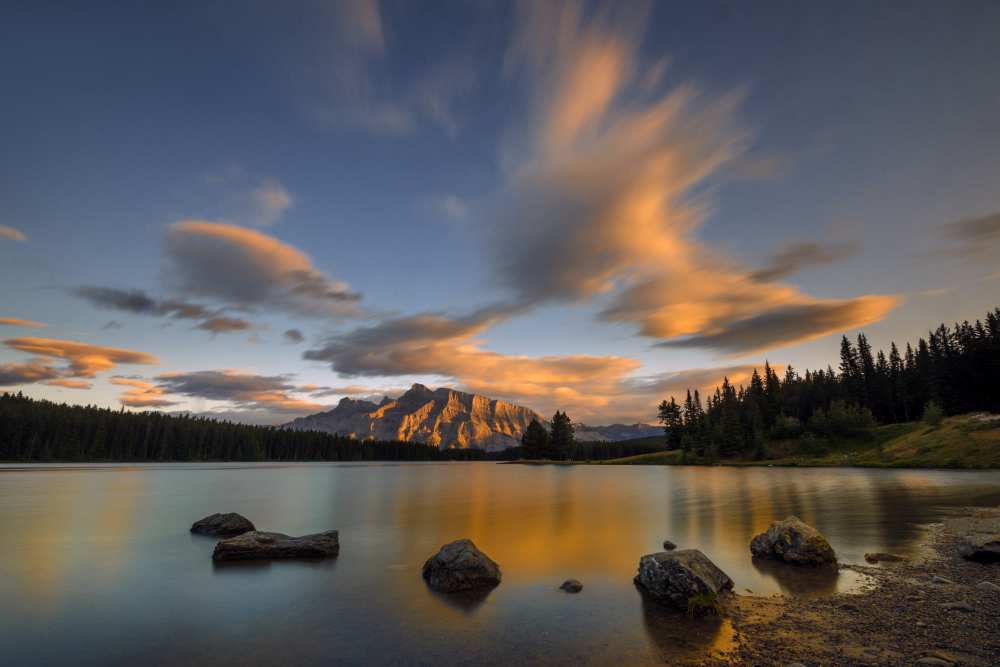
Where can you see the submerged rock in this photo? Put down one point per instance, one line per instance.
(223, 524)
(260, 545)
(571, 586)
(675, 577)
(793, 541)
(460, 566)
(879, 557)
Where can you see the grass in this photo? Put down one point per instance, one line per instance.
(704, 604)
(963, 441)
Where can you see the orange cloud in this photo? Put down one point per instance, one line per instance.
(84, 360)
(15, 322)
(143, 394)
(605, 177)
(12, 234)
(32, 371)
(69, 384)
(244, 267)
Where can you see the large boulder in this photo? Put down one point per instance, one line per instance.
(793, 541)
(460, 566)
(260, 545)
(677, 577)
(227, 524)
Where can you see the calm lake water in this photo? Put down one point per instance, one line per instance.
(98, 567)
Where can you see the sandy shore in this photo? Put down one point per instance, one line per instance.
(926, 610)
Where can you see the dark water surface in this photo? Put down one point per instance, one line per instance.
(97, 566)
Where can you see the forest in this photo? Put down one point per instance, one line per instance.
(954, 370)
(33, 430)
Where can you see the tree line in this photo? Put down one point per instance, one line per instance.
(952, 371)
(35, 430)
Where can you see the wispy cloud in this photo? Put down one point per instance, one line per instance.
(16, 322)
(974, 236)
(606, 174)
(452, 207)
(357, 89)
(139, 302)
(243, 390)
(795, 257)
(269, 202)
(294, 336)
(69, 384)
(12, 234)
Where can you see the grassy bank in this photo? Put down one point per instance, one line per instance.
(964, 441)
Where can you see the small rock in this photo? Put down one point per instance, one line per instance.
(460, 566)
(257, 545)
(675, 577)
(795, 664)
(936, 579)
(668, 545)
(571, 586)
(957, 606)
(793, 541)
(879, 557)
(933, 662)
(988, 586)
(222, 524)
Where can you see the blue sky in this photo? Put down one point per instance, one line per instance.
(539, 202)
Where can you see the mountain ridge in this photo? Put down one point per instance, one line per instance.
(442, 417)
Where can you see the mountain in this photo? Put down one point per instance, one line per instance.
(442, 417)
(614, 432)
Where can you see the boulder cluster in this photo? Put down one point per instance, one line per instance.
(682, 578)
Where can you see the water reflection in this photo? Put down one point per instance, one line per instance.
(89, 550)
(797, 580)
(680, 638)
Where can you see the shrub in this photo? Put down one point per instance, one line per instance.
(704, 604)
(933, 414)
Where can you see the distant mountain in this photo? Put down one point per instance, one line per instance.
(442, 417)
(614, 432)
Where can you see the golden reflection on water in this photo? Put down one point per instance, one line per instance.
(115, 535)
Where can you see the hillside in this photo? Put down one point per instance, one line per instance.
(964, 441)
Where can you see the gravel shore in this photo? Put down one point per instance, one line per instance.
(930, 609)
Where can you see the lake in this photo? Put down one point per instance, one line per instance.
(98, 566)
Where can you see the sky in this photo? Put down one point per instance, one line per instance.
(253, 210)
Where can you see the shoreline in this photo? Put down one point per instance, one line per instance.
(747, 464)
(925, 610)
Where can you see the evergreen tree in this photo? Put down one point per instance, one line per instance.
(561, 436)
(535, 441)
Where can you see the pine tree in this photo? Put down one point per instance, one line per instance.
(535, 441)
(561, 436)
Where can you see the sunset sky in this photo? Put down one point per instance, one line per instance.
(254, 209)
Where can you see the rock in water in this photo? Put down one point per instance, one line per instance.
(675, 577)
(223, 524)
(879, 557)
(793, 541)
(571, 586)
(460, 566)
(260, 545)
(668, 545)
